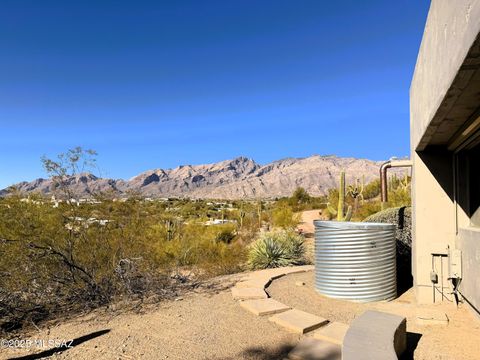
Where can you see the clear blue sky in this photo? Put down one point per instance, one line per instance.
(163, 83)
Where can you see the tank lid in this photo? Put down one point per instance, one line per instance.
(353, 225)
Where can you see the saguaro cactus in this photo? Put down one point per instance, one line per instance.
(340, 212)
(259, 213)
(405, 182)
(356, 192)
(242, 215)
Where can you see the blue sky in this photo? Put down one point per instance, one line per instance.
(151, 84)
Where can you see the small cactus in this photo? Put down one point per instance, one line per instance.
(242, 215)
(356, 192)
(405, 182)
(340, 212)
(259, 213)
(171, 227)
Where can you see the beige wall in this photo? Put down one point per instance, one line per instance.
(468, 241)
(451, 28)
(433, 220)
(442, 97)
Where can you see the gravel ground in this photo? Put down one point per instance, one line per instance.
(459, 340)
(206, 325)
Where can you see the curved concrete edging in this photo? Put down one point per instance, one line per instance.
(251, 291)
(327, 342)
(254, 284)
(253, 297)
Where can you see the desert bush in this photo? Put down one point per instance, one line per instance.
(284, 217)
(67, 262)
(372, 189)
(400, 194)
(226, 233)
(221, 258)
(366, 209)
(200, 246)
(248, 228)
(276, 249)
(401, 217)
(301, 200)
(58, 260)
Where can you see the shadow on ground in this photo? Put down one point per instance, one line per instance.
(404, 283)
(281, 352)
(412, 342)
(260, 353)
(51, 352)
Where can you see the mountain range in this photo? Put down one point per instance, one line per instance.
(230, 179)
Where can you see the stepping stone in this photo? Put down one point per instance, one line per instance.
(334, 332)
(267, 274)
(254, 283)
(431, 317)
(276, 273)
(298, 321)
(313, 349)
(248, 293)
(298, 269)
(264, 306)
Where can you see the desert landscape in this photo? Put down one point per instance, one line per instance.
(251, 180)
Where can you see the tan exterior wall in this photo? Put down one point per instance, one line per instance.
(439, 80)
(468, 241)
(433, 222)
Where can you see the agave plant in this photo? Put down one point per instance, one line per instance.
(276, 249)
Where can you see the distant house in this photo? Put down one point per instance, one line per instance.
(445, 149)
(220, 222)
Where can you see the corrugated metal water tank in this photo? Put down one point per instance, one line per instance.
(355, 261)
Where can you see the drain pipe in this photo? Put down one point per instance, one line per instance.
(383, 175)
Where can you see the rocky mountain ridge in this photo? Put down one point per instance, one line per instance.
(230, 179)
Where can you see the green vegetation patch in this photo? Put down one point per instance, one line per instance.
(276, 249)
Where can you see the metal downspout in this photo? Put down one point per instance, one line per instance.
(383, 176)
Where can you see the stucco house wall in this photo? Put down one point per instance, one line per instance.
(444, 97)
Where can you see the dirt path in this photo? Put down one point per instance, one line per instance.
(307, 228)
(307, 218)
(207, 325)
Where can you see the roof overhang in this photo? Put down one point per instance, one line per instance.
(445, 89)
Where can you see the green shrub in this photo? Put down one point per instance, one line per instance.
(284, 217)
(226, 234)
(372, 189)
(400, 197)
(68, 258)
(366, 209)
(276, 249)
(401, 217)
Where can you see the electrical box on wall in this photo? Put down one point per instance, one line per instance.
(455, 264)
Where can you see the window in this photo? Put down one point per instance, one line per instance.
(468, 181)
